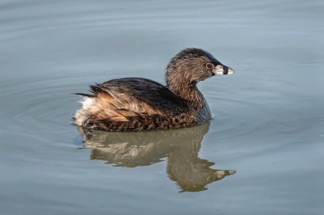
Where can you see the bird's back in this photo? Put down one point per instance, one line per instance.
(133, 104)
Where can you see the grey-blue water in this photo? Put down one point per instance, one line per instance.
(268, 122)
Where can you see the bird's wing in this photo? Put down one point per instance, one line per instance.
(131, 92)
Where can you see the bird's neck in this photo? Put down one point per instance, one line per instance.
(190, 93)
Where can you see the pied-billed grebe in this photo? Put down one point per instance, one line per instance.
(139, 104)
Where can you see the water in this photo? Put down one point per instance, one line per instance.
(261, 154)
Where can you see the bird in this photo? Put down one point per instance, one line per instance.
(140, 104)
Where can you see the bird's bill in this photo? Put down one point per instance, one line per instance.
(223, 70)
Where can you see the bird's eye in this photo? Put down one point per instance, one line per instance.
(209, 65)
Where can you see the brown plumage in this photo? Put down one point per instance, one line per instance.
(137, 104)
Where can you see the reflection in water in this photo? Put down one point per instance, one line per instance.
(180, 146)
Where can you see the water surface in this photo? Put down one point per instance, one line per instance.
(261, 154)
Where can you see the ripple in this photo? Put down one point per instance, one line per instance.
(235, 117)
(38, 106)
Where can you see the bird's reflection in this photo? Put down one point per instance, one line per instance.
(180, 147)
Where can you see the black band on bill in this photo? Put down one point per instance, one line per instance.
(225, 70)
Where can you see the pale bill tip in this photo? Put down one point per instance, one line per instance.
(230, 71)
